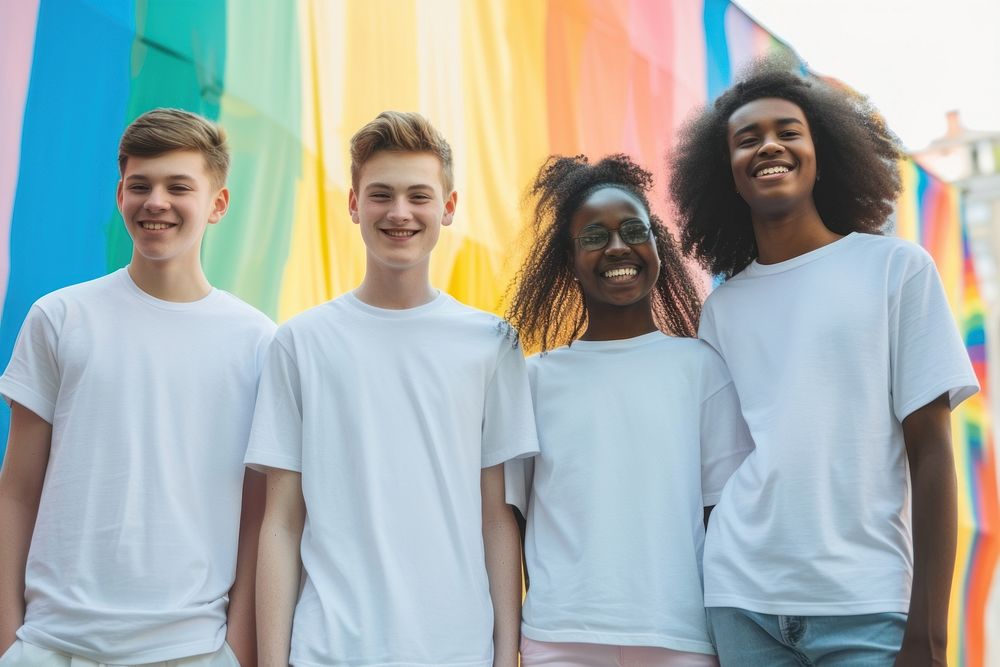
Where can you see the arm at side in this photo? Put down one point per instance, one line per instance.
(502, 545)
(241, 632)
(20, 491)
(927, 434)
(279, 566)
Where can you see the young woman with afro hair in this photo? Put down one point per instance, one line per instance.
(847, 362)
(638, 425)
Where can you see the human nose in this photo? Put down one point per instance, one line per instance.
(156, 200)
(616, 247)
(399, 210)
(770, 146)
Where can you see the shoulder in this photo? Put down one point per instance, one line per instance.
(311, 320)
(88, 294)
(241, 311)
(693, 353)
(474, 324)
(892, 250)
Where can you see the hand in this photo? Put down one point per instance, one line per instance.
(921, 654)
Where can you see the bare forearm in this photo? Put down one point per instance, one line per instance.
(501, 541)
(278, 566)
(278, 570)
(241, 631)
(17, 522)
(935, 527)
(21, 481)
(927, 434)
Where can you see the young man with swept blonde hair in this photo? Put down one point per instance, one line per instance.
(383, 420)
(131, 399)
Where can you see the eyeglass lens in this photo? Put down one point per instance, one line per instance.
(632, 232)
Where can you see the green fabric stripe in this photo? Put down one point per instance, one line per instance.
(178, 60)
(261, 109)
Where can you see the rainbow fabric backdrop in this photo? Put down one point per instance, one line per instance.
(508, 81)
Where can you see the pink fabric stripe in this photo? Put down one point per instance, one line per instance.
(17, 42)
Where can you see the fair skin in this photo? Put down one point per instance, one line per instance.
(400, 205)
(167, 202)
(241, 631)
(21, 482)
(773, 160)
(279, 566)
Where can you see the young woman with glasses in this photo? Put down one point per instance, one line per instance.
(638, 422)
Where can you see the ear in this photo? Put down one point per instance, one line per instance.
(352, 206)
(449, 208)
(219, 206)
(120, 196)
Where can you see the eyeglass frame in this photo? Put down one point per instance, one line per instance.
(645, 225)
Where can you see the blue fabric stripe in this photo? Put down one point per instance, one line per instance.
(74, 112)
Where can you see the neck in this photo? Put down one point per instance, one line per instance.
(618, 323)
(169, 281)
(396, 289)
(785, 235)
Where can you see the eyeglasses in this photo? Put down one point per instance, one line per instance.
(595, 237)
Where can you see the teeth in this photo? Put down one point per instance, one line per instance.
(155, 225)
(400, 233)
(628, 271)
(772, 170)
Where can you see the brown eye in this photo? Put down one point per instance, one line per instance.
(634, 232)
(594, 238)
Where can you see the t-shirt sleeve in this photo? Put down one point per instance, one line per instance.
(725, 437)
(276, 433)
(706, 326)
(518, 476)
(508, 417)
(928, 357)
(32, 376)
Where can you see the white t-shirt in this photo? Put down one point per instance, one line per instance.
(390, 415)
(134, 549)
(637, 436)
(829, 352)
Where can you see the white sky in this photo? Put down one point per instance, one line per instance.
(915, 59)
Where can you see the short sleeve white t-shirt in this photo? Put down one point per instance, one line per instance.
(390, 416)
(637, 436)
(829, 352)
(134, 548)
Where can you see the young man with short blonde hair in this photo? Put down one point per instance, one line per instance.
(383, 421)
(131, 400)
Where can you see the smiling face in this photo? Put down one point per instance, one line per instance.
(167, 201)
(772, 156)
(617, 275)
(400, 206)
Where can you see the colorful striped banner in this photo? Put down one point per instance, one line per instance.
(930, 213)
(507, 81)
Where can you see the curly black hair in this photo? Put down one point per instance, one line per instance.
(856, 152)
(546, 304)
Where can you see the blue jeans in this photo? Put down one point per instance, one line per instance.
(748, 639)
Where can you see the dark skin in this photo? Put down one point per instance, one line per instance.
(772, 134)
(927, 434)
(617, 307)
(774, 168)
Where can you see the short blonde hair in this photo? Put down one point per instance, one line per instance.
(403, 131)
(164, 130)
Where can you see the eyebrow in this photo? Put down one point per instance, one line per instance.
(175, 177)
(386, 186)
(780, 121)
